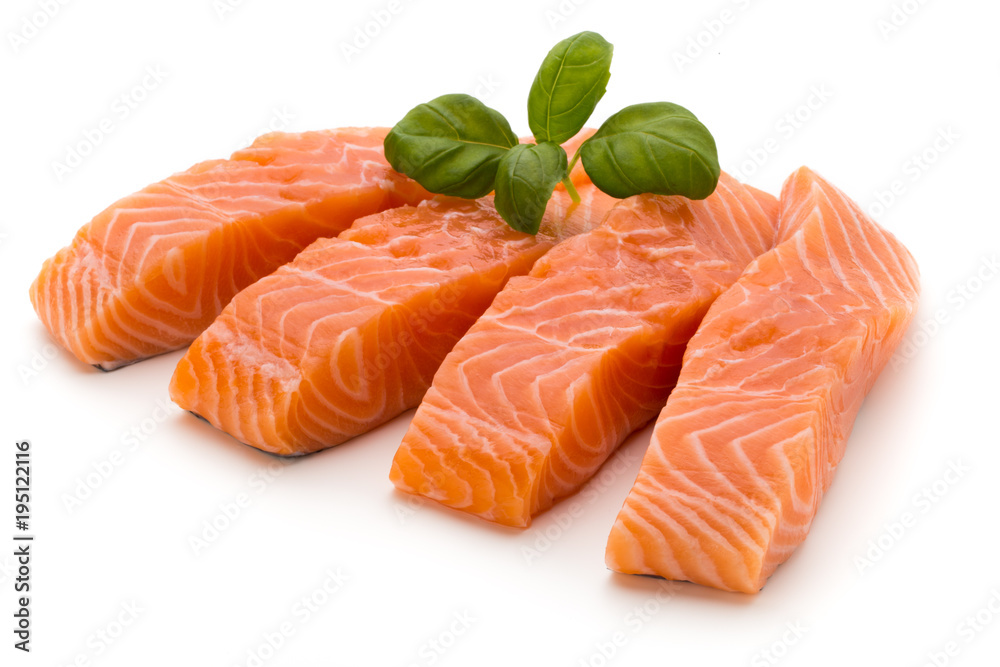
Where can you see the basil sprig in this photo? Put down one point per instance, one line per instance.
(571, 81)
(451, 145)
(660, 148)
(456, 145)
(527, 176)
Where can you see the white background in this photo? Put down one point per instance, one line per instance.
(412, 568)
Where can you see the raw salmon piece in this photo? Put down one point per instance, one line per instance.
(575, 356)
(148, 274)
(349, 334)
(749, 440)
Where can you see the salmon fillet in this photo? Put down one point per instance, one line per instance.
(349, 334)
(572, 358)
(749, 440)
(149, 273)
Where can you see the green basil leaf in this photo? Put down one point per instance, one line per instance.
(571, 81)
(450, 145)
(659, 148)
(527, 176)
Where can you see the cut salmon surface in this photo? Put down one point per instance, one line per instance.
(149, 273)
(572, 358)
(349, 334)
(772, 381)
